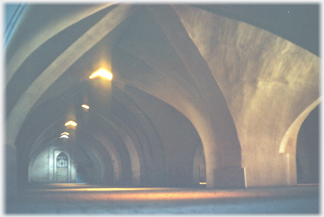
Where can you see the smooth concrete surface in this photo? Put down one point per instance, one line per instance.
(87, 199)
(240, 89)
(266, 87)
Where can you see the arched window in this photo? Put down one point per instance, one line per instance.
(61, 160)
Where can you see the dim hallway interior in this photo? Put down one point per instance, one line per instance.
(141, 98)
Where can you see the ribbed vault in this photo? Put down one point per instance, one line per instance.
(183, 77)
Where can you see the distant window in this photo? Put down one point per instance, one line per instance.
(61, 160)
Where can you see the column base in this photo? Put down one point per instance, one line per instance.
(232, 177)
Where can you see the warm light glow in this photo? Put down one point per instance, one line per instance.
(64, 136)
(65, 133)
(100, 189)
(160, 194)
(71, 123)
(102, 73)
(85, 106)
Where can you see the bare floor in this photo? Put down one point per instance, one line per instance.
(87, 199)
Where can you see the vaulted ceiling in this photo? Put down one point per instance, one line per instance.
(167, 62)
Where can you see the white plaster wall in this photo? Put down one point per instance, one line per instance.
(39, 171)
(42, 167)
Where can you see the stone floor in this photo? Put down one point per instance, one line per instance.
(87, 199)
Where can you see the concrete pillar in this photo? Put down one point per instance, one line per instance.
(219, 173)
(208, 111)
(222, 153)
(266, 86)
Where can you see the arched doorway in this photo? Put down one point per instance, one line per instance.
(61, 171)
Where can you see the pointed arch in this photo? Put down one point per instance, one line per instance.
(289, 142)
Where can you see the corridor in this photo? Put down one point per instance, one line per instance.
(89, 199)
(144, 102)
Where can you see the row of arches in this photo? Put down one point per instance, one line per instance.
(183, 78)
(100, 164)
(88, 169)
(61, 163)
(114, 147)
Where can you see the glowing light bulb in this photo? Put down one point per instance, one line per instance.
(102, 73)
(85, 106)
(71, 123)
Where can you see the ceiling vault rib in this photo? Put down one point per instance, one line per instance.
(62, 63)
(23, 53)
